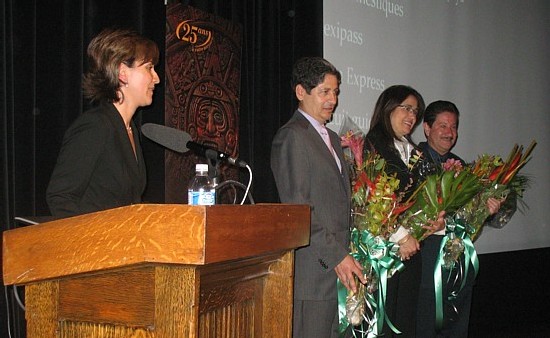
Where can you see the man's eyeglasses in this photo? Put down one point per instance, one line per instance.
(409, 108)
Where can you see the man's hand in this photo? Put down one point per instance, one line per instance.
(347, 269)
(494, 205)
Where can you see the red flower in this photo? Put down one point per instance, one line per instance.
(355, 143)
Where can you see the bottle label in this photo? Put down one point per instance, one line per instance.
(201, 197)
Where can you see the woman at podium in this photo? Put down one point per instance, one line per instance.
(100, 164)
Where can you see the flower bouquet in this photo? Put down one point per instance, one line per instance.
(448, 189)
(498, 178)
(376, 208)
(376, 203)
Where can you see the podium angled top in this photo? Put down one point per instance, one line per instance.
(151, 233)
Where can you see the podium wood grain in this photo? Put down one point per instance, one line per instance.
(160, 271)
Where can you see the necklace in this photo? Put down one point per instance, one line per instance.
(131, 137)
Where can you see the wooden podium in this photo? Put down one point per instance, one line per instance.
(152, 270)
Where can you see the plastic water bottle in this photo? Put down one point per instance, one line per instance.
(201, 190)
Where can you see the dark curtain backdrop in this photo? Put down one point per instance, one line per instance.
(43, 51)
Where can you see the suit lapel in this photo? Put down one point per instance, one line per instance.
(317, 140)
(325, 152)
(344, 175)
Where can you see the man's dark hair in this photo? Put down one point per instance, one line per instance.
(311, 71)
(437, 107)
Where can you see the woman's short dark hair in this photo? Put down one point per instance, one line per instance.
(437, 107)
(311, 71)
(106, 52)
(390, 98)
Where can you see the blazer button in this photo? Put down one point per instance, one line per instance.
(323, 264)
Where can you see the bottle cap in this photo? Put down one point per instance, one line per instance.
(201, 167)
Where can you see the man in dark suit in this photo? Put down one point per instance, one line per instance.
(309, 170)
(441, 130)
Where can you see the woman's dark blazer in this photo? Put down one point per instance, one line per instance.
(96, 168)
(394, 164)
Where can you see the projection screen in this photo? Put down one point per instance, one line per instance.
(491, 58)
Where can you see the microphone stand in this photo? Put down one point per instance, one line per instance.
(213, 171)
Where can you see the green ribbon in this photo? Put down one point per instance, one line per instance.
(379, 255)
(455, 228)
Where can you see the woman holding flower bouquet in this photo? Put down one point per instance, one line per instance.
(397, 112)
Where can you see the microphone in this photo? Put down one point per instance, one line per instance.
(171, 138)
(180, 141)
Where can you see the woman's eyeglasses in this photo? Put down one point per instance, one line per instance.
(409, 108)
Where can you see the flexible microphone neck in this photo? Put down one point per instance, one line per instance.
(214, 154)
(180, 141)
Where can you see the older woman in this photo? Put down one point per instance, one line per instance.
(100, 165)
